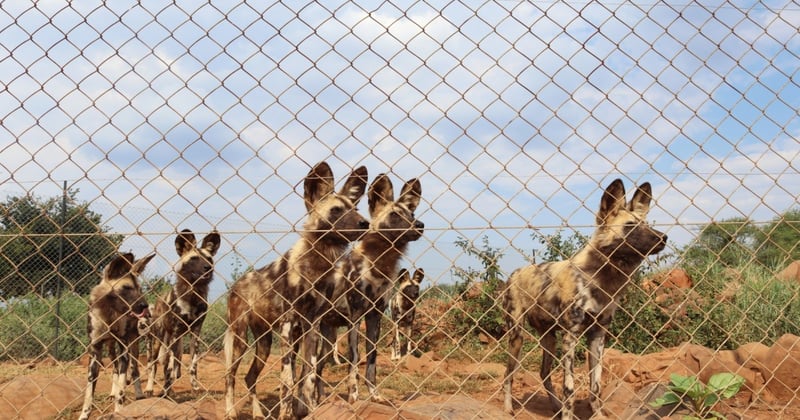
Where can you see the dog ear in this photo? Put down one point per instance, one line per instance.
(317, 184)
(613, 200)
(411, 194)
(118, 267)
(419, 274)
(402, 276)
(185, 242)
(355, 185)
(139, 265)
(211, 242)
(640, 203)
(381, 193)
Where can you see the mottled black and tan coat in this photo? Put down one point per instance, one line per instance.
(578, 296)
(290, 294)
(366, 277)
(182, 310)
(403, 309)
(116, 305)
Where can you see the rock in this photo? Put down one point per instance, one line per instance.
(790, 273)
(39, 396)
(160, 408)
(645, 369)
(782, 368)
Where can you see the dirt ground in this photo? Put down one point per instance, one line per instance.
(418, 388)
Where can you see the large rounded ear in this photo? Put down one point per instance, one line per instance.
(139, 265)
(380, 194)
(185, 242)
(640, 203)
(402, 276)
(355, 185)
(613, 200)
(211, 242)
(118, 267)
(419, 274)
(317, 184)
(411, 194)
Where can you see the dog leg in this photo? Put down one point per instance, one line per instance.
(514, 347)
(596, 346)
(548, 344)
(94, 371)
(570, 341)
(373, 320)
(287, 368)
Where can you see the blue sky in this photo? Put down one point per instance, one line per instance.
(513, 114)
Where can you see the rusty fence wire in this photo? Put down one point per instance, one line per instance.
(125, 122)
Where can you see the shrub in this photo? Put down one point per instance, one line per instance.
(28, 328)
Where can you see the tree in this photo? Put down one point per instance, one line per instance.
(729, 242)
(483, 308)
(557, 247)
(39, 238)
(778, 243)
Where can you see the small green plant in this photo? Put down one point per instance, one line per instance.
(700, 398)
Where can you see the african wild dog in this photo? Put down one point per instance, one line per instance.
(579, 295)
(182, 310)
(115, 306)
(403, 308)
(288, 294)
(366, 277)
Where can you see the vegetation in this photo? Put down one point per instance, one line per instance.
(28, 328)
(699, 397)
(479, 290)
(46, 247)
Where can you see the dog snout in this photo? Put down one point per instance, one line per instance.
(419, 225)
(142, 307)
(363, 224)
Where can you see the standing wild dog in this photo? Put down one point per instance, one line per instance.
(182, 310)
(366, 277)
(290, 293)
(579, 296)
(403, 309)
(115, 306)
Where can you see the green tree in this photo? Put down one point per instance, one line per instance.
(557, 247)
(36, 234)
(778, 243)
(481, 309)
(728, 242)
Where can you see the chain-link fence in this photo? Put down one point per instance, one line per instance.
(125, 122)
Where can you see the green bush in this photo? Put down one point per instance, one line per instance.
(726, 308)
(28, 328)
(214, 327)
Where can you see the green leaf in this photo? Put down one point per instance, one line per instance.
(666, 399)
(725, 384)
(710, 400)
(686, 385)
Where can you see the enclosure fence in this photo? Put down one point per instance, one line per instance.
(124, 123)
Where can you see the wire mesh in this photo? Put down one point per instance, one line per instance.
(125, 122)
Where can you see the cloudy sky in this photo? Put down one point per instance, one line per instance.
(514, 115)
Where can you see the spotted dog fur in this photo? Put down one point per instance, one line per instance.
(115, 306)
(578, 296)
(403, 308)
(182, 310)
(290, 294)
(365, 278)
